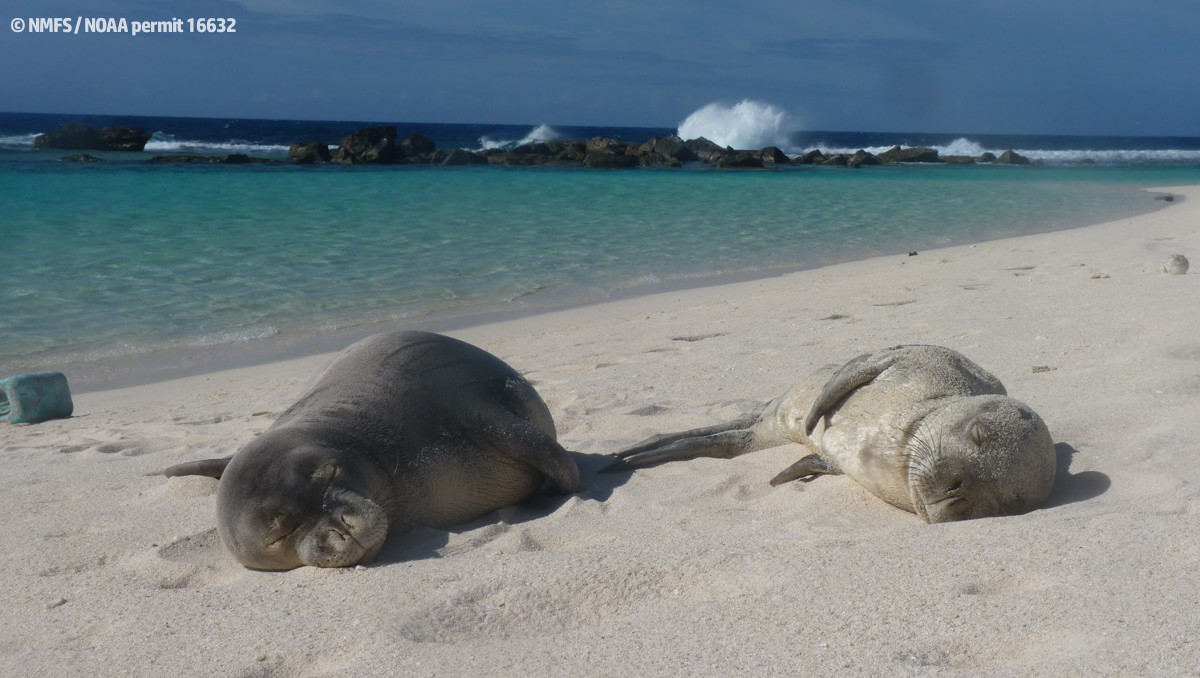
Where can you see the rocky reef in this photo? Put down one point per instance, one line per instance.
(79, 137)
(380, 146)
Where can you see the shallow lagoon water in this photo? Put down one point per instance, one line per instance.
(125, 259)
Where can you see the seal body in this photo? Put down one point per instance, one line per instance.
(921, 427)
(400, 430)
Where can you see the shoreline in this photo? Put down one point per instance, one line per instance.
(695, 568)
(157, 365)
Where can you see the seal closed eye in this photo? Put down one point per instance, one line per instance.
(400, 430)
(921, 427)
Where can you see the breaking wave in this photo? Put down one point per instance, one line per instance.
(745, 125)
(167, 143)
(541, 133)
(963, 146)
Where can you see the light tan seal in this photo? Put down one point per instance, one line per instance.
(401, 430)
(921, 427)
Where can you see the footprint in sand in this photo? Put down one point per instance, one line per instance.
(128, 448)
(514, 607)
(691, 338)
(649, 411)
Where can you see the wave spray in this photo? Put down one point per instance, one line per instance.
(747, 125)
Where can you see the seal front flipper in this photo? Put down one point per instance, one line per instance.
(725, 443)
(213, 468)
(812, 465)
(526, 443)
(854, 374)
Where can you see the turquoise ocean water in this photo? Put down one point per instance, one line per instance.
(127, 260)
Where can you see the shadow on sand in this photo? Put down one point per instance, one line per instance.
(427, 542)
(1070, 488)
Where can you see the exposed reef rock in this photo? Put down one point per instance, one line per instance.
(86, 138)
(1012, 158)
(377, 145)
(897, 155)
(230, 159)
(309, 152)
(861, 158)
(369, 146)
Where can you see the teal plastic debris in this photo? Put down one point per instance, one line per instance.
(33, 398)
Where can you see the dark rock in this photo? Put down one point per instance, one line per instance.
(417, 146)
(987, 156)
(86, 138)
(959, 159)
(569, 150)
(607, 160)
(813, 157)
(457, 156)
(836, 160)
(129, 139)
(705, 150)
(915, 154)
(535, 148)
(231, 159)
(309, 153)
(1165, 198)
(861, 158)
(234, 159)
(740, 160)
(536, 153)
(1011, 157)
(606, 145)
(669, 150)
(373, 145)
(80, 157)
(774, 156)
(179, 157)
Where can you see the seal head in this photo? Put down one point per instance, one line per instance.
(979, 457)
(305, 505)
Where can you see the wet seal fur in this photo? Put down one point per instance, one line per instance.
(921, 427)
(400, 430)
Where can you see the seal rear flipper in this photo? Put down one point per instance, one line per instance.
(724, 444)
(663, 439)
(213, 468)
(812, 465)
(854, 374)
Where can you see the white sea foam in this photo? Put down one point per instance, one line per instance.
(234, 336)
(746, 125)
(18, 141)
(167, 143)
(970, 148)
(541, 133)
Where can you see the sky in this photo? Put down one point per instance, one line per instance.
(1104, 67)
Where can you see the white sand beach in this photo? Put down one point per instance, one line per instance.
(696, 568)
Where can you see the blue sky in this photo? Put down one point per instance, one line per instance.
(990, 66)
